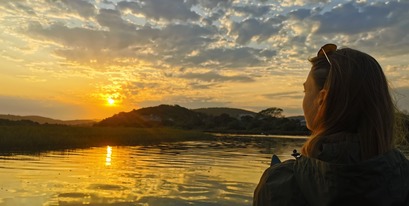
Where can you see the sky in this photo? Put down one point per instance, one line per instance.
(90, 59)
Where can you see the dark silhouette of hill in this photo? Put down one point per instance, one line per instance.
(162, 115)
(7, 122)
(45, 120)
(211, 119)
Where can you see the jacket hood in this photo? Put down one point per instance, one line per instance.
(338, 175)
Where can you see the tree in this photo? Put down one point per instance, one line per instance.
(272, 112)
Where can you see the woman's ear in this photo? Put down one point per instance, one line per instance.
(321, 96)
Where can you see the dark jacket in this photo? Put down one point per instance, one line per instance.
(337, 176)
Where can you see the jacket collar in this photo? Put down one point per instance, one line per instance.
(343, 148)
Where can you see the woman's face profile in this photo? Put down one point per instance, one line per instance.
(311, 101)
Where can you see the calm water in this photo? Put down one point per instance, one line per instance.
(183, 173)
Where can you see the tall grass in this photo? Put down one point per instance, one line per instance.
(36, 138)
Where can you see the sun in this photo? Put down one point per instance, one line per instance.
(111, 101)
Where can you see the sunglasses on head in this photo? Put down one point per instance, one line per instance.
(327, 48)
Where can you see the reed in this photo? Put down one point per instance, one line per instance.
(48, 137)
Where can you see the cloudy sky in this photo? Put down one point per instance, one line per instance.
(66, 58)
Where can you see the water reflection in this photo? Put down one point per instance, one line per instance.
(184, 173)
(108, 158)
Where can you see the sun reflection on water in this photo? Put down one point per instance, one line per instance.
(181, 173)
(108, 159)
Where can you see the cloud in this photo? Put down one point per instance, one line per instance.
(195, 85)
(188, 102)
(83, 45)
(352, 18)
(72, 37)
(215, 77)
(231, 57)
(175, 37)
(46, 108)
(113, 20)
(17, 6)
(83, 8)
(180, 40)
(290, 95)
(302, 13)
(253, 10)
(212, 4)
(161, 9)
(254, 28)
(172, 43)
(290, 3)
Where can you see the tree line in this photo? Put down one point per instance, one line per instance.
(268, 121)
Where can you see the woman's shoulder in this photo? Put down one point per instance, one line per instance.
(286, 167)
(278, 186)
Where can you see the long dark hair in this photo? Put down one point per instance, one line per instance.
(357, 101)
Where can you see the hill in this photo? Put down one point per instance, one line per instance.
(45, 120)
(171, 115)
(162, 115)
(232, 112)
(220, 120)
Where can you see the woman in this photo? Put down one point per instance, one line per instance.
(350, 157)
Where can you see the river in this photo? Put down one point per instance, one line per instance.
(181, 173)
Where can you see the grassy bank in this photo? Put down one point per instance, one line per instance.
(48, 137)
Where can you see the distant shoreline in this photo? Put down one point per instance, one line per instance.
(241, 132)
(280, 136)
(40, 138)
(56, 137)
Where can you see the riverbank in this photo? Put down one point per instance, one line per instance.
(55, 137)
(266, 133)
(52, 137)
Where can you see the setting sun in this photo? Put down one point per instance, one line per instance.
(110, 101)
